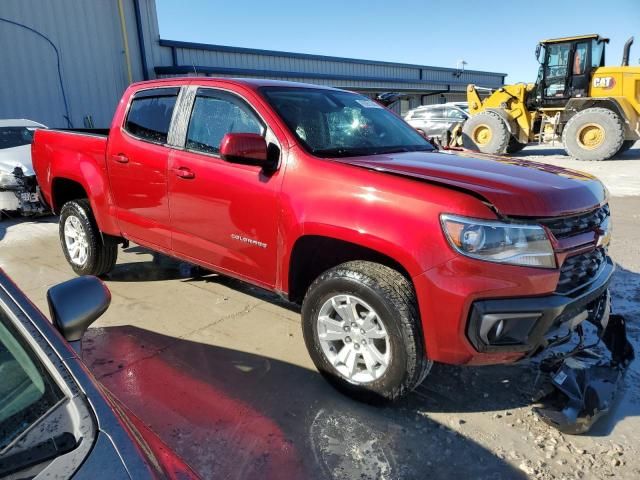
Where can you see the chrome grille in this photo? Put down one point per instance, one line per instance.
(580, 270)
(568, 226)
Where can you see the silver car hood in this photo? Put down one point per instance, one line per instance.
(11, 158)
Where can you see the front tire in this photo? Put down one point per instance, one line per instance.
(362, 329)
(593, 134)
(81, 241)
(486, 132)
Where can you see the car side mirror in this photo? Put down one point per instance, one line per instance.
(247, 148)
(76, 304)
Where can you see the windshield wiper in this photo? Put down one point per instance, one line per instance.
(343, 152)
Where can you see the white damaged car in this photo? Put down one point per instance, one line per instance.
(18, 186)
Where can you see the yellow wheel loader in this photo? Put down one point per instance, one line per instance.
(592, 109)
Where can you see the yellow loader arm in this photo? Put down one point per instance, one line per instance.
(509, 103)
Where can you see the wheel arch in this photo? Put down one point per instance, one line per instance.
(67, 187)
(64, 190)
(313, 254)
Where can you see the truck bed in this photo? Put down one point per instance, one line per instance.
(67, 150)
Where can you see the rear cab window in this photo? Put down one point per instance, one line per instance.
(150, 113)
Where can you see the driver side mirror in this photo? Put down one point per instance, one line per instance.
(247, 148)
(76, 304)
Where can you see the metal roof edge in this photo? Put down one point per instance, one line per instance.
(186, 69)
(308, 56)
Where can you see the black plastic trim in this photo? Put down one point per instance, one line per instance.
(554, 309)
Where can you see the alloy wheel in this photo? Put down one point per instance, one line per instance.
(75, 239)
(353, 338)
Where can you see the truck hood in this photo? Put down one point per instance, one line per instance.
(514, 187)
(11, 158)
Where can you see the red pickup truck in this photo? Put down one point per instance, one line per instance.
(399, 254)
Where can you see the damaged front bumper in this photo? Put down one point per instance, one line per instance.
(579, 385)
(578, 381)
(22, 195)
(526, 324)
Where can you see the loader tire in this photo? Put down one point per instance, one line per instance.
(487, 133)
(593, 134)
(84, 248)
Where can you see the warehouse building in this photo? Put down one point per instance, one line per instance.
(69, 61)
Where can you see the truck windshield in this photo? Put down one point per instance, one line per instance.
(333, 123)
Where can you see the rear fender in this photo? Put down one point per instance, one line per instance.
(92, 177)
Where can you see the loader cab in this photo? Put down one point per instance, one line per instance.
(566, 67)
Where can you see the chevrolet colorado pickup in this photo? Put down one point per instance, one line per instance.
(399, 254)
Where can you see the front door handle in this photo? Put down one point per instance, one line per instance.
(184, 172)
(120, 158)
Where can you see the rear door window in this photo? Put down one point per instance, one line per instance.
(436, 112)
(455, 114)
(150, 114)
(216, 113)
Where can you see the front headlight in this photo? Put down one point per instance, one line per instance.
(7, 179)
(494, 241)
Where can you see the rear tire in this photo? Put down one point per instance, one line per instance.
(594, 134)
(487, 133)
(81, 241)
(376, 308)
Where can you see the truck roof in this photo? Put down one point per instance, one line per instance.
(253, 83)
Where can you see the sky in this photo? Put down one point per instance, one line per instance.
(491, 35)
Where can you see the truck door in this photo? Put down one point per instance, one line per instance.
(137, 159)
(581, 70)
(223, 214)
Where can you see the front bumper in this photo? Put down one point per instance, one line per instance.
(23, 197)
(522, 324)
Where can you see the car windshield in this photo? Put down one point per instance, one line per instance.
(27, 391)
(333, 123)
(15, 136)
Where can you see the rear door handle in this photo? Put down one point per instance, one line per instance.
(120, 158)
(184, 172)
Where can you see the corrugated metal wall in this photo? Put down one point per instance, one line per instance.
(88, 36)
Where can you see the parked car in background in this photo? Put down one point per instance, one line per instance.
(434, 121)
(56, 421)
(18, 186)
